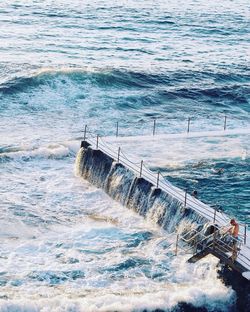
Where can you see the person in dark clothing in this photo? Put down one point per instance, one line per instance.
(195, 194)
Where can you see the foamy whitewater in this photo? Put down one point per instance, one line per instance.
(64, 244)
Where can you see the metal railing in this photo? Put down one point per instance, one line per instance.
(220, 241)
(154, 125)
(158, 180)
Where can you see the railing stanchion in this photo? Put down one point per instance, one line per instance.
(97, 141)
(188, 128)
(214, 215)
(185, 200)
(196, 245)
(117, 129)
(154, 126)
(158, 177)
(245, 234)
(119, 151)
(85, 133)
(176, 246)
(141, 168)
(225, 122)
(214, 235)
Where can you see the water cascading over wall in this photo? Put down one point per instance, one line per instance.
(124, 186)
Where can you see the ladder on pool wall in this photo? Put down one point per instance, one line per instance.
(223, 246)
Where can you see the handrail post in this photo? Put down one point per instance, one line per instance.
(141, 168)
(245, 234)
(214, 234)
(195, 245)
(158, 177)
(85, 133)
(214, 241)
(176, 246)
(154, 126)
(188, 128)
(225, 122)
(117, 129)
(119, 151)
(97, 141)
(185, 199)
(214, 215)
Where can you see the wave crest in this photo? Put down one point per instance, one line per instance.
(52, 151)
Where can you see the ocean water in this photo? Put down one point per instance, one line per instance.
(64, 244)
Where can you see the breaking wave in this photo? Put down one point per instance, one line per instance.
(51, 151)
(143, 88)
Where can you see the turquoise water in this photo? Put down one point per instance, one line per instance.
(65, 246)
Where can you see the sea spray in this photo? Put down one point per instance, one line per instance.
(134, 192)
(52, 83)
(78, 162)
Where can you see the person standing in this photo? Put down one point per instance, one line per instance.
(234, 231)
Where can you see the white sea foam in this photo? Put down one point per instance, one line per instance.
(209, 293)
(212, 296)
(33, 261)
(53, 151)
(64, 245)
(178, 149)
